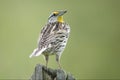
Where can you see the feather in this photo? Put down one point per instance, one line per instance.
(37, 52)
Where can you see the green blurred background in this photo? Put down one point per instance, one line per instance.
(93, 49)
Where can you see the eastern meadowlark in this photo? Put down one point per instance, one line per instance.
(53, 37)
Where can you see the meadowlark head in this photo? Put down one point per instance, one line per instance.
(57, 16)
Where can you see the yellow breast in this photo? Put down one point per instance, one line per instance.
(60, 19)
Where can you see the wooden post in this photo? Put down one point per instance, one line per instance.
(43, 73)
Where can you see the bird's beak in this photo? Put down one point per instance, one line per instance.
(62, 12)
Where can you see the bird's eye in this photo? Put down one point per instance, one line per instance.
(54, 14)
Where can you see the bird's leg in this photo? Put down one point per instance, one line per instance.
(58, 61)
(46, 59)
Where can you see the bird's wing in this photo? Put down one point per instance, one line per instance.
(45, 38)
(47, 35)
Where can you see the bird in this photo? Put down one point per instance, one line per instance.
(53, 37)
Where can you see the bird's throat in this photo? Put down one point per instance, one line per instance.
(60, 19)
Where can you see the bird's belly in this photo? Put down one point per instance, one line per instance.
(58, 49)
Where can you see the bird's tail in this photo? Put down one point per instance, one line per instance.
(37, 52)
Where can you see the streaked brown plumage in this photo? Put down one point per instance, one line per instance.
(53, 38)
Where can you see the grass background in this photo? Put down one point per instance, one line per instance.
(93, 49)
